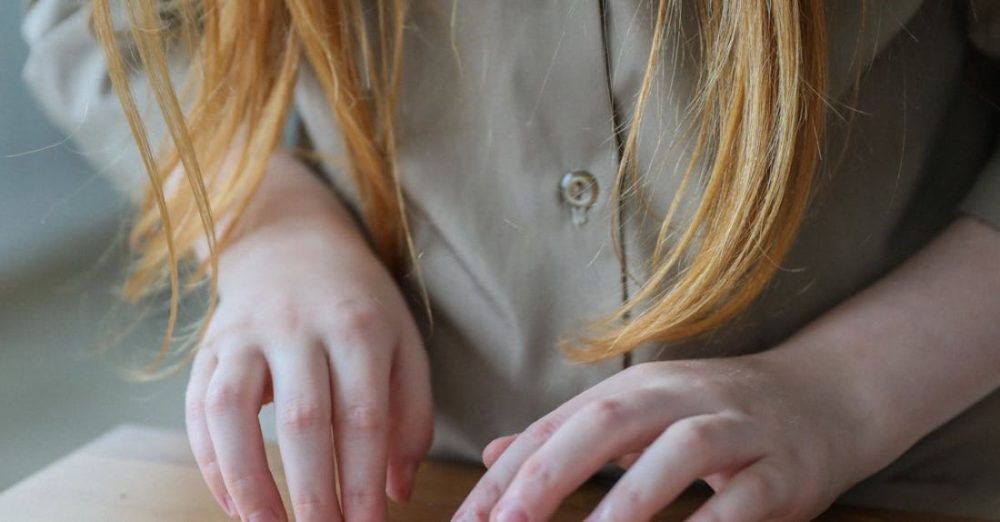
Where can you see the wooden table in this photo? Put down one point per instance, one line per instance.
(141, 474)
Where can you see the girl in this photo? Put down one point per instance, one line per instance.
(770, 229)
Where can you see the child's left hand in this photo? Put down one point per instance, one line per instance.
(775, 440)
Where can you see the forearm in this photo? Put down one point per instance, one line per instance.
(920, 345)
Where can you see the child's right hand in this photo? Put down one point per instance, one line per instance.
(310, 317)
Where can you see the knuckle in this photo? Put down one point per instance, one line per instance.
(608, 412)
(637, 372)
(768, 487)
(634, 496)
(364, 418)
(210, 344)
(194, 406)
(246, 489)
(781, 495)
(209, 466)
(362, 501)
(302, 414)
(357, 322)
(420, 439)
(646, 375)
(694, 435)
(224, 398)
(542, 429)
(310, 506)
(288, 321)
(536, 470)
(698, 382)
(759, 485)
(223, 331)
(412, 437)
(488, 492)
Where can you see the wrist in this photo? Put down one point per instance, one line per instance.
(292, 219)
(856, 407)
(290, 195)
(300, 244)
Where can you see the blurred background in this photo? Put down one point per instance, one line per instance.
(61, 260)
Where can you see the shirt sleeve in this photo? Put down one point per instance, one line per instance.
(983, 200)
(66, 72)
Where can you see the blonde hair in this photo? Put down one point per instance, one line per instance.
(757, 123)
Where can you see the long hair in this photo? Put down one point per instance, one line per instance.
(756, 126)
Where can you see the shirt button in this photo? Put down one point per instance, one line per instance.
(579, 191)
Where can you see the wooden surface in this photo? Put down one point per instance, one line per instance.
(142, 474)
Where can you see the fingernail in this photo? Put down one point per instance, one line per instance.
(470, 514)
(511, 514)
(264, 516)
(227, 504)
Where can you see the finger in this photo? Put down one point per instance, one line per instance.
(360, 422)
(484, 495)
(717, 481)
(597, 433)
(626, 461)
(232, 405)
(197, 429)
(302, 408)
(755, 494)
(411, 418)
(688, 450)
(494, 449)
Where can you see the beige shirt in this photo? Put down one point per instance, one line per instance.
(502, 100)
